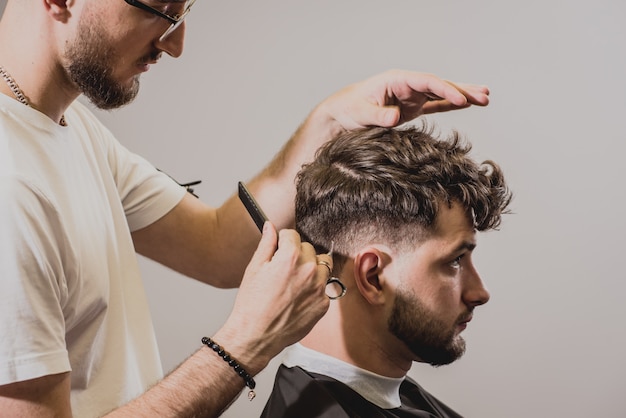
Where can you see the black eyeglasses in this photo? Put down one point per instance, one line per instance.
(175, 20)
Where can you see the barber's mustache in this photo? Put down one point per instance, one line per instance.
(152, 57)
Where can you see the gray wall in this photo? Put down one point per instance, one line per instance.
(550, 342)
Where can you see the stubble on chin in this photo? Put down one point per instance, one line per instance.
(429, 338)
(90, 58)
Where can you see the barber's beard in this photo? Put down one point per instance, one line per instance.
(428, 337)
(90, 58)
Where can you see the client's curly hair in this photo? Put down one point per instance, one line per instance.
(387, 184)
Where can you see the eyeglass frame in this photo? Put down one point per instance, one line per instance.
(175, 21)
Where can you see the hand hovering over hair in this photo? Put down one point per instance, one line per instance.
(387, 99)
(398, 96)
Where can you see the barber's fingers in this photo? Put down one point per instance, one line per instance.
(474, 93)
(324, 262)
(312, 267)
(293, 262)
(325, 265)
(293, 251)
(266, 248)
(280, 299)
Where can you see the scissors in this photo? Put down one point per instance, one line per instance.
(259, 218)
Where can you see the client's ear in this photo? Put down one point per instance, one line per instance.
(368, 265)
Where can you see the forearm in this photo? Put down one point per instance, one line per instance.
(234, 238)
(274, 187)
(203, 386)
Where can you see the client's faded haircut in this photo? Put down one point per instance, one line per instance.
(373, 183)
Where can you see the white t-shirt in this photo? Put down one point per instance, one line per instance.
(71, 296)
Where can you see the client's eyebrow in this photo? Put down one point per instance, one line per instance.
(464, 246)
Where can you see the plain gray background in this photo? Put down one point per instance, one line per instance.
(550, 343)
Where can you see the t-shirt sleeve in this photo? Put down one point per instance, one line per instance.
(32, 286)
(146, 193)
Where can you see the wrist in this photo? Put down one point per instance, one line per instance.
(252, 354)
(319, 127)
(233, 363)
(323, 122)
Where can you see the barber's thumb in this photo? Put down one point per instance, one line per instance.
(385, 116)
(390, 116)
(267, 246)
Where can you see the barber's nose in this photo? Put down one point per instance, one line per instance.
(173, 44)
(475, 293)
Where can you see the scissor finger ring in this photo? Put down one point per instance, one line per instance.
(335, 281)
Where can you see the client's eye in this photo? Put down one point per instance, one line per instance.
(456, 263)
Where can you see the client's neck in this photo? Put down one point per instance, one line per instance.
(350, 335)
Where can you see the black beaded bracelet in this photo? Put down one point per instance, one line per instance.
(250, 383)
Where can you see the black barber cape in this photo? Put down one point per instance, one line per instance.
(300, 394)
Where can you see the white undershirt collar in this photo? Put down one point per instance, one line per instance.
(380, 390)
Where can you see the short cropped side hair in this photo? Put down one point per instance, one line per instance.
(387, 184)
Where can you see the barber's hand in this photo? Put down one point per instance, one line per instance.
(397, 96)
(282, 295)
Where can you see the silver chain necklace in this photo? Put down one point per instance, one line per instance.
(19, 94)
